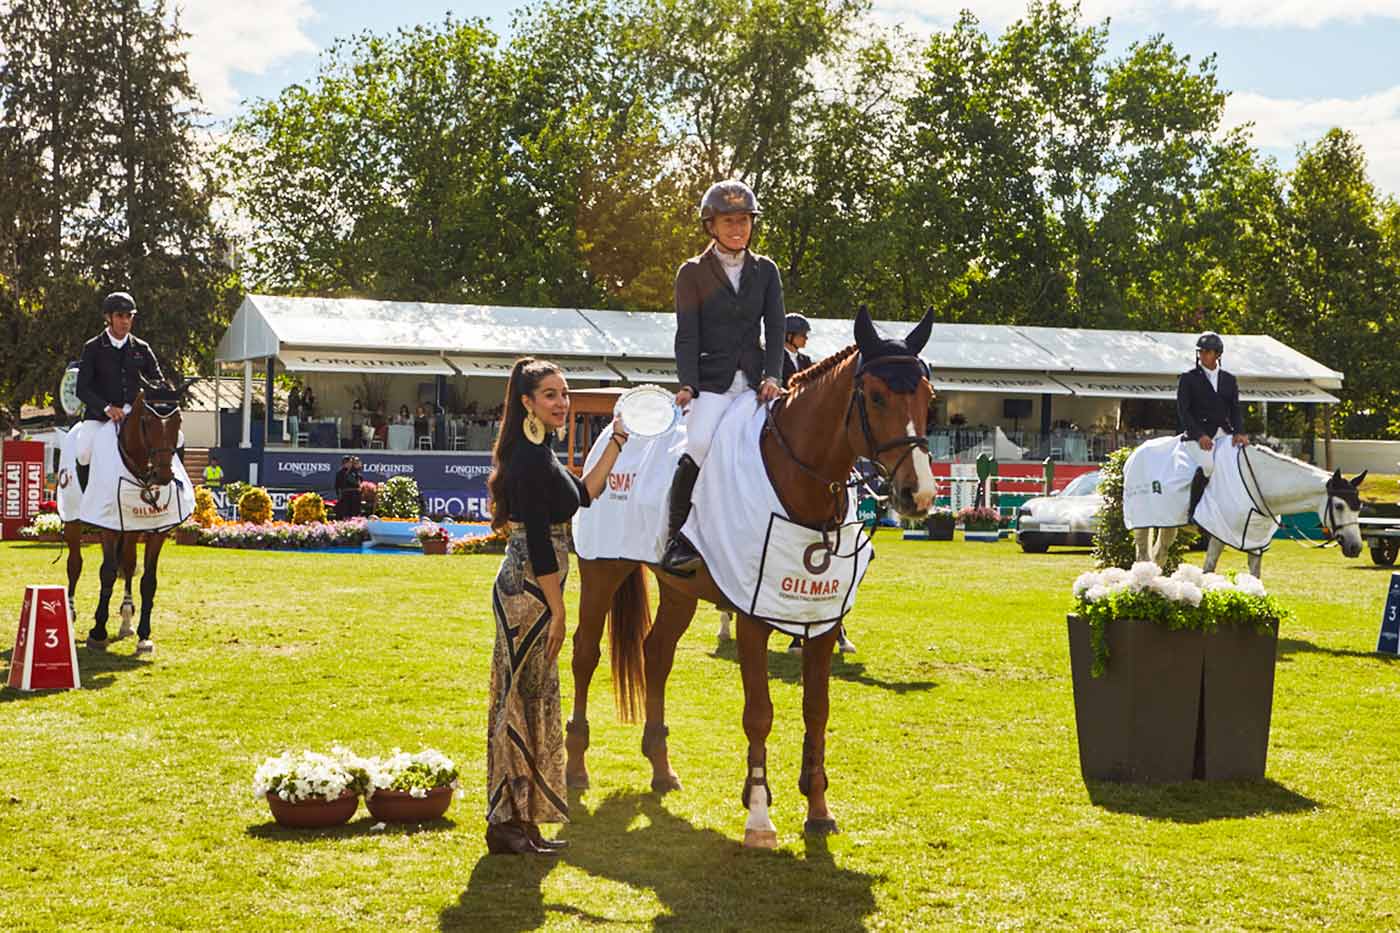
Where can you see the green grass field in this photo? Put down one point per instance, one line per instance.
(951, 754)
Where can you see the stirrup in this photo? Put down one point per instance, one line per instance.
(681, 557)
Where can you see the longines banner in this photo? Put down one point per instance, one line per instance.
(451, 483)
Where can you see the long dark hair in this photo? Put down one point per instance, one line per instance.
(525, 377)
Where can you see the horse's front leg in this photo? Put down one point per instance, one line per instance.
(73, 538)
(598, 581)
(154, 543)
(107, 578)
(128, 570)
(1142, 543)
(1161, 545)
(673, 616)
(1214, 549)
(1256, 562)
(816, 705)
(759, 831)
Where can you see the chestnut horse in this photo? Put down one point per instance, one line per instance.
(147, 441)
(869, 400)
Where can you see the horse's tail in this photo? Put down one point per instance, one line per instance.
(629, 621)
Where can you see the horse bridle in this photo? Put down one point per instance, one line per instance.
(840, 490)
(1332, 528)
(146, 473)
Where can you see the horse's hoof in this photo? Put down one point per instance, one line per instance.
(760, 839)
(94, 645)
(145, 646)
(576, 781)
(126, 631)
(824, 827)
(664, 785)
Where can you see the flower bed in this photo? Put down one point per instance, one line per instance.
(285, 535)
(493, 543)
(46, 526)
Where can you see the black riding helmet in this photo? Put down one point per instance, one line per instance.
(1210, 340)
(118, 302)
(796, 324)
(728, 197)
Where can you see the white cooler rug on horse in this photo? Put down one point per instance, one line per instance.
(1228, 509)
(766, 565)
(113, 496)
(1157, 484)
(628, 521)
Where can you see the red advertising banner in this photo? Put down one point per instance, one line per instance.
(45, 657)
(21, 485)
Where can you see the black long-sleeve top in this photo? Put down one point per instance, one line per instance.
(1203, 410)
(541, 493)
(717, 328)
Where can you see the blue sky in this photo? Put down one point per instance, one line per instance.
(1294, 67)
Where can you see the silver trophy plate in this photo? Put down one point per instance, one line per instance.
(647, 411)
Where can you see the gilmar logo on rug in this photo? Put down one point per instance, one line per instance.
(146, 511)
(620, 485)
(809, 588)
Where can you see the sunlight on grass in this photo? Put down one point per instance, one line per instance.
(952, 758)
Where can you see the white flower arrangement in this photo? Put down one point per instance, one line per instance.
(47, 523)
(310, 775)
(1187, 585)
(412, 774)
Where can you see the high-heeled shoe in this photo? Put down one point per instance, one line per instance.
(539, 842)
(511, 839)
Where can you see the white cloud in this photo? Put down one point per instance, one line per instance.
(249, 36)
(1282, 124)
(922, 15)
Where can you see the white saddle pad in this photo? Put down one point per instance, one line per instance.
(1157, 484)
(113, 499)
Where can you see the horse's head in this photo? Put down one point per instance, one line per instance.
(151, 435)
(891, 396)
(1342, 510)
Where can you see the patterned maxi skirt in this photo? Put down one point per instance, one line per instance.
(525, 741)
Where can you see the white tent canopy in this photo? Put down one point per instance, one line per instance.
(361, 335)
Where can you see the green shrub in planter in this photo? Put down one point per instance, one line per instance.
(398, 498)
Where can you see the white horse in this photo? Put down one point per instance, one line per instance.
(1278, 485)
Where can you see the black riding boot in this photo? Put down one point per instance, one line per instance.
(1198, 488)
(681, 558)
(82, 476)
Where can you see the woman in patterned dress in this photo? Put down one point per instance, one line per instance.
(534, 497)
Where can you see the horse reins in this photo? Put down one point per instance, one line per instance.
(1262, 507)
(838, 489)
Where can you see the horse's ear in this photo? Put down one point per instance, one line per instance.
(919, 335)
(1337, 477)
(866, 337)
(1359, 479)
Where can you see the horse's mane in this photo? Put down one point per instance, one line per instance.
(815, 372)
(1285, 458)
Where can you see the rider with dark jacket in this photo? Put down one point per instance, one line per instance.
(1208, 407)
(115, 362)
(726, 299)
(797, 328)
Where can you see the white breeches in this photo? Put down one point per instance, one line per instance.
(703, 416)
(1205, 459)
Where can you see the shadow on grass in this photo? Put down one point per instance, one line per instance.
(788, 667)
(96, 670)
(703, 879)
(363, 826)
(1287, 646)
(1198, 801)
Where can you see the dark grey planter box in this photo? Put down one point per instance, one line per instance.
(940, 529)
(1173, 705)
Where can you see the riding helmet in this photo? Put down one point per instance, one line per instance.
(728, 197)
(118, 302)
(796, 324)
(1210, 340)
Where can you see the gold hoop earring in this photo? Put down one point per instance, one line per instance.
(533, 428)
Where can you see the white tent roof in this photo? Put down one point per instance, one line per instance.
(639, 346)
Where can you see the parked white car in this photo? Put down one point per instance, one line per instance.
(1068, 517)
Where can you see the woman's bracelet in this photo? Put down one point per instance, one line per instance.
(619, 443)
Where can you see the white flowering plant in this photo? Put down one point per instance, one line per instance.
(411, 774)
(310, 775)
(1188, 599)
(47, 523)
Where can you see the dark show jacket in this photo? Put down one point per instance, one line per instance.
(1202, 410)
(717, 329)
(789, 370)
(108, 375)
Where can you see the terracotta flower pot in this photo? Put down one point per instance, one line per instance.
(397, 806)
(185, 535)
(314, 813)
(434, 545)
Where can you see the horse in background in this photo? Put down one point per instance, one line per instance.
(869, 400)
(147, 441)
(1277, 485)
